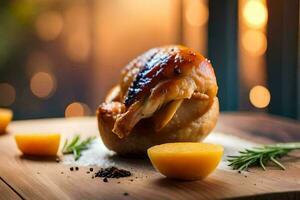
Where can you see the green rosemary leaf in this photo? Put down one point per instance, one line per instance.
(277, 163)
(77, 154)
(65, 144)
(259, 156)
(261, 162)
(74, 141)
(68, 148)
(76, 146)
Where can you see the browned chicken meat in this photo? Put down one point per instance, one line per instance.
(167, 94)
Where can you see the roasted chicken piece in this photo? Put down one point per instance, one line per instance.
(167, 94)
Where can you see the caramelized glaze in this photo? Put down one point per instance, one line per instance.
(155, 66)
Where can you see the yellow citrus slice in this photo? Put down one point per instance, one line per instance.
(186, 160)
(40, 144)
(5, 118)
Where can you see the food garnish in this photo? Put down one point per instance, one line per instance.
(76, 146)
(38, 144)
(260, 156)
(186, 160)
(112, 172)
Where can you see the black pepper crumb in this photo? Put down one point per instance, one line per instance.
(88, 172)
(105, 180)
(91, 169)
(239, 171)
(62, 172)
(76, 168)
(131, 180)
(57, 160)
(125, 194)
(246, 176)
(71, 168)
(93, 177)
(112, 172)
(119, 182)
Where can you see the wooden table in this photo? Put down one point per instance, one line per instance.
(24, 177)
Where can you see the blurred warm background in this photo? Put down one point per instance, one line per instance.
(59, 57)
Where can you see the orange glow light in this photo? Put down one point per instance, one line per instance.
(77, 109)
(255, 14)
(7, 94)
(76, 35)
(260, 96)
(37, 61)
(78, 46)
(43, 84)
(197, 13)
(49, 25)
(254, 42)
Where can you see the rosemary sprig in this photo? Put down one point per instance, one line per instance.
(260, 156)
(75, 146)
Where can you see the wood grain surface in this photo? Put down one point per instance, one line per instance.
(6, 192)
(33, 178)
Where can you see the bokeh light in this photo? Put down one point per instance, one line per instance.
(254, 42)
(7, 94)
(38, 61)
(260, 96)
(78, 46)
(43, 84)
(77, 42)
(77, 109)
(49, 25)
(197, 13)
(255, 13)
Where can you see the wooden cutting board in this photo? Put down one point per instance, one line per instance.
(24, 177)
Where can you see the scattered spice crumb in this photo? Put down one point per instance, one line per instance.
(93, 177)
(119, 182)
(112, 172)
(62, 172)
(239, 172)
(38, 172)
(125, 194)
(71, 168)
(131, 180)
(246, 176)
(105, 180)
(254, 184)
(91, 169)
(76, 168)
(88, 172)
(57, 160)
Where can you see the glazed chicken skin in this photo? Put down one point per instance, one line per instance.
(167, 94)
